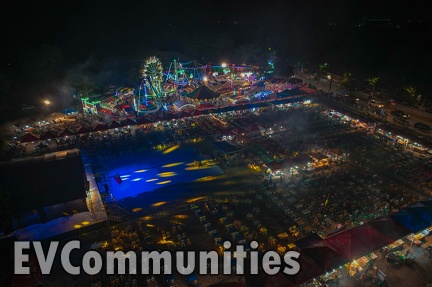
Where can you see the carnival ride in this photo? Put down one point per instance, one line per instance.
(183, 77)
(176, 74)
(149, 94)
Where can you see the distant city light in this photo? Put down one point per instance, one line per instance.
(224, 65)
(47, 102)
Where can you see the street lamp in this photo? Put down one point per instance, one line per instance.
(330, 78)
(47, 102)
(224, 65)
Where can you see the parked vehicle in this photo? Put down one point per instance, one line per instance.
(399, 114)
(402, 121)
(375, 104)
(422, 127)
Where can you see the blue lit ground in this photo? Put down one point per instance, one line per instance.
(148, 171)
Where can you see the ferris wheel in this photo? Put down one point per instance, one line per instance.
(152, 72)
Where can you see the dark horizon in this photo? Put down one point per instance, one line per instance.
(50, 44)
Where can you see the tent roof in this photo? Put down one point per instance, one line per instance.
(226, 147)
(28, 138)
(371, 236)
(46, 180)
(410, 220)
(66, 132)
(420, 210)
(83, 130)
(48, 135)
(390, 229)
(308, 240)
(348, 245)
(129, 122)
(114, 124)
(100, 127)
(203, 92)
(326, 257)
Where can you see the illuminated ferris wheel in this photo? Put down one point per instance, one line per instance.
(152, 73)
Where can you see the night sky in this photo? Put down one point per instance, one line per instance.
(47, 44)
(81, 27)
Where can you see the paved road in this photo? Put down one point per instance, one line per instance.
(415, 115)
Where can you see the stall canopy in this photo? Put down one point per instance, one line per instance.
(371, 236)
(421, 210)
(28, 138)
(325, 256)
(100, 127)
(409, 220)
(202, 93)
(390, 230)
(30, 190)
(114, 124)
(227, 148)
(129, 122)
(83, 130)
(48, 135)
(427, 201)
(309, 240)
(66, 132)
(348, 245)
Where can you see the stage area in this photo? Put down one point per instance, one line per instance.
(132, 175)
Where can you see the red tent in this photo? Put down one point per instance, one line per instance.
(28, 138)
(100, 127)
(66, 132)
(371, 236)
(325, 256)
(348, 245)
(114, 124)
(83, 130)
(48, 135)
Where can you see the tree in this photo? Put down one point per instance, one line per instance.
(84, 86)
(410, 90)
(372, 82)
(347, 82)
(322, 70)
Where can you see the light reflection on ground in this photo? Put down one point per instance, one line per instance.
(155, 164)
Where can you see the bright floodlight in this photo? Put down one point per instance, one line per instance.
(223, 65)
(47, 102)
(329, 77)
(205, 79)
